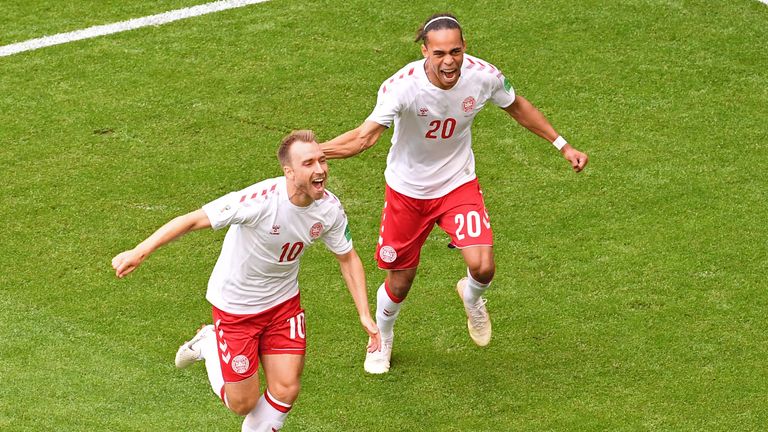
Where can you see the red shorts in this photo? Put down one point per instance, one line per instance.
(243, 338)
(406, 223)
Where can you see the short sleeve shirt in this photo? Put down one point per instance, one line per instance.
(259, 261)
(431, 152)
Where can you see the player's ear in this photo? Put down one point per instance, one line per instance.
(288, 171)
(424, 50)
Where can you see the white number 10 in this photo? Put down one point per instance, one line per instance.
(297, 326)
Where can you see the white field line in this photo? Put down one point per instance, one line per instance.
(101, 30)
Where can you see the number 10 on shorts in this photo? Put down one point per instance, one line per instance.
(297, 326)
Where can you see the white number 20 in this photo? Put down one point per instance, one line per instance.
(472, 223)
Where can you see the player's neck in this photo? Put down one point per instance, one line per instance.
(301, 200)
(298, 197)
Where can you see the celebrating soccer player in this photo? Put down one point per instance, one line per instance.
(254, 288)
(430, 173)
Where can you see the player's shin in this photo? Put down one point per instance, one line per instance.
(387, 309)
(474, 289)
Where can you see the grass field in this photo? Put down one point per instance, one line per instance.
(630, 297)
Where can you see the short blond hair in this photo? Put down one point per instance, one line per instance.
(283, 152)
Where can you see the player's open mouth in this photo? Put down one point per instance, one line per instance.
(449, 74)
(318, 184)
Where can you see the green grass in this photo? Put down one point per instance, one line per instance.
(629, 297)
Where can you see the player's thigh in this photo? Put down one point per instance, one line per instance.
(237, 340)
(405, 226)
(465, 218)
(283, 375)
(282, 349)
(286, 332)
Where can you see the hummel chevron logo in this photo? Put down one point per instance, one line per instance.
(388, 313)
(223, 346)
(226, 358)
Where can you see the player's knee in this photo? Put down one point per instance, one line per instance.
(483, 272)
(400, 282)
(400, 290)
(243, 404)
(285, 392)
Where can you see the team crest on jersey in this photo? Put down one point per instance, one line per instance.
(423, 112)
(275, 230)
(240, 364)
(316, 230)
(468, 105)
(387, 254)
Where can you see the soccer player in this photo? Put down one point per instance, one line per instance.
(430, 173)
(254, 285)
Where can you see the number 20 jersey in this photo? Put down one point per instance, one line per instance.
(431, 152)
(259, 262)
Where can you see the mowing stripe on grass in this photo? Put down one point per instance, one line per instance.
(101, 30)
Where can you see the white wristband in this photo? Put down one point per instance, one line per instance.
(559, 142)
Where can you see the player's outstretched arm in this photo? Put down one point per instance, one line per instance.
(353, 142)
(128, 261)
(532, 119)
(354, 276)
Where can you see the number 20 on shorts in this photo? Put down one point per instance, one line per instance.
(470, 224)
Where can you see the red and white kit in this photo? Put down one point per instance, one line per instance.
(254, 284)
(431, 154)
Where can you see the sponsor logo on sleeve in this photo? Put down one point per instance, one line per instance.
(347, 233)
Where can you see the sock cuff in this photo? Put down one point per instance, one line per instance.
(276, 404)
(391, 296)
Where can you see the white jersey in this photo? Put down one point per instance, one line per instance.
(431, 152)
(259, 262)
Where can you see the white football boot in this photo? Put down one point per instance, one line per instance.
(377, 362)
(478, 320)
(189, 351)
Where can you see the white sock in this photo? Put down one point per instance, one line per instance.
(387, 310)
(268, 415)
(210, 353)
(473, 290)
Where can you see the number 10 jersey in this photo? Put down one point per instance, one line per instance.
(259, 262)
